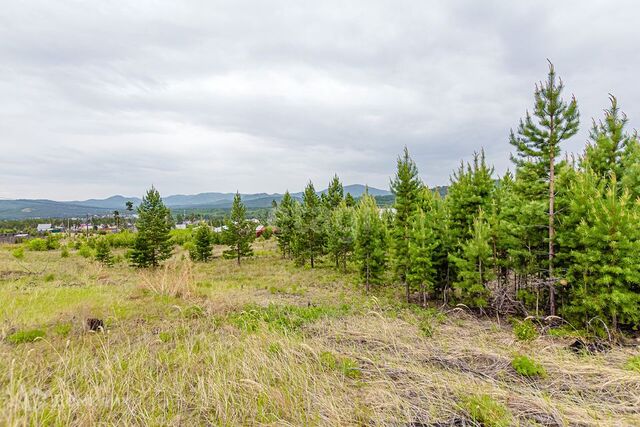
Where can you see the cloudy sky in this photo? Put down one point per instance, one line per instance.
(103, 98)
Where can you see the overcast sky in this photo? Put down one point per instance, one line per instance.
(109, 97)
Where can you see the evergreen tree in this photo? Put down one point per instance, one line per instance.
(537, 143)
(340, 234)
(239, 232)
(285, 221)
(335, 193)
(202, 244)
(474, 266)
(349, 200)
(604, 281)
(605, 152)
(406, 187)
(370, 242)
(311, 225)
(103, 252)
(471, 190)
(422, 244)
(153, 242)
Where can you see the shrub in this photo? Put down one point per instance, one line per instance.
(103, 252)
(18, 253)
(37, 245)
(52, 242)
(528, 367)
(21, 337)
(267, 233)
(486, 411)
(65, 252)
(525, 330)
(85, 251)
(123, 239)
(633, 364)
(49, 277)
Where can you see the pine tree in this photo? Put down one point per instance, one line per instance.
(608, 141)
(349, 200)
(239, 232)
(423, 242)
(370, 242)
(604, 281)
(285, 221)
(537, 143)
(103, 252)
(335, 193)
(311, 225)
(340, 234)
(474, 266)
(202, 244)
(471, 190)
(153, 242)
(406, 187)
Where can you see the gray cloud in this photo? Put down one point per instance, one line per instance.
(110, 97)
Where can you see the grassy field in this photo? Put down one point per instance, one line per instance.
(268, 343)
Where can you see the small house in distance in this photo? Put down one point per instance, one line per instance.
(43, 228)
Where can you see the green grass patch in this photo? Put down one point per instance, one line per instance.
(347, 366)
(283, 318)
(21, 337)
(487, 411)
(633, 364)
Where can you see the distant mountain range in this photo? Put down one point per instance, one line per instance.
(43, 208)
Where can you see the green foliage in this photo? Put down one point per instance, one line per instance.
(202, 245)
(528, 367)
(65, 252)
(525, 330)
(63, 329)
(49, 277)
(37, 245)
(310, 225)
(18, 253)
(604, 279)
(26, 336)
(474, 266)
(422, 244)
(406, 187)
(180, 237)
(239, 232)
(122, 239)
(85, 251)
(103, 252)
(370, 242)
(347, 366)
(152, 244)
(633, 364)
(486, 411)
(340, 238)
(286, 223)
(335, 193)
(283, 318)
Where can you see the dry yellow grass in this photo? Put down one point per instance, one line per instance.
(267, 343)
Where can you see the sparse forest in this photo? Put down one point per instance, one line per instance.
(504, 300)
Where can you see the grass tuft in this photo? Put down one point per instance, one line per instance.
(21, 337)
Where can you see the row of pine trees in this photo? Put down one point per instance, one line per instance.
(558, 237)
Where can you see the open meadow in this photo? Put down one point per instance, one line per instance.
(269, 343)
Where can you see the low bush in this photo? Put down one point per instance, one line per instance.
(37, 245)
(525, 330)
(528, 367)
(485, 410)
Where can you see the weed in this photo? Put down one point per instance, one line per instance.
(49, 277)
(633, 364)
(62, 329)
(165, 336)
(525, 330)
(528, 367)
(30, 335)
(486, 411)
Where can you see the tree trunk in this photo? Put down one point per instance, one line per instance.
(311, 259)
(552, 230)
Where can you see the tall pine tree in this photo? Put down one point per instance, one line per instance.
(340, 234)
(538, 142)
(423, 241)
(285, 221)
(312, 225)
